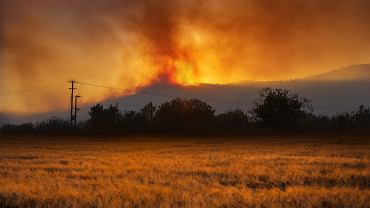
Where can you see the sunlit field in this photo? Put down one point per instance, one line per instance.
(255, 171)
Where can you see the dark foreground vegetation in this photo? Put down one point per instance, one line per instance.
(275, 111)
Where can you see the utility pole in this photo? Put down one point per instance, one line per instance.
(76, 109)
(72, 88)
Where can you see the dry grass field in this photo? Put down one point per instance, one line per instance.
(302, 171)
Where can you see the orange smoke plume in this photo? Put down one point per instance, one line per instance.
(129, 44)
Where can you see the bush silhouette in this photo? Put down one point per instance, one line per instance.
(233, 121)
(105, 119)
(132, 121)
(274, 110)
(184, 116)
(53, 125)
(22, 128)
(362, 117)
(147, 113)
(278, 107)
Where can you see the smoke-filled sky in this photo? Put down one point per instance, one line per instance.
(129, 44)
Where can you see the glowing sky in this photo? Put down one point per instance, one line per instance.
(132, 43)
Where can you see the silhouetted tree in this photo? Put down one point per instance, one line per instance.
(53, 125)
(313, 123)
(278, 107)
(22, 128)
(362, 117)
(342, 121)
(275, 109)
(132, 121)
(233, 121)
(185, 116)
(138, 121)
(105, 119)
(148, 112)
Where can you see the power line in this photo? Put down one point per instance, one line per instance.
(101, 86)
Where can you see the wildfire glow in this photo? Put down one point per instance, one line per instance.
(131, 44)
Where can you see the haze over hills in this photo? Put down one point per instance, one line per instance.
(355, 72)
(332, 92)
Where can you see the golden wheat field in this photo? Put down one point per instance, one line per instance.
(260, 171)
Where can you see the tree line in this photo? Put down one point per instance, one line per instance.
(275, 110)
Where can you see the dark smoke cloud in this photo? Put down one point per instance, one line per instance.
(131, 43)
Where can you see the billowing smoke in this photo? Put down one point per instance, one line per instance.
(129, 44)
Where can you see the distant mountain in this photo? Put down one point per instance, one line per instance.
(333, 92)
(327, 97)
(355, 72)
